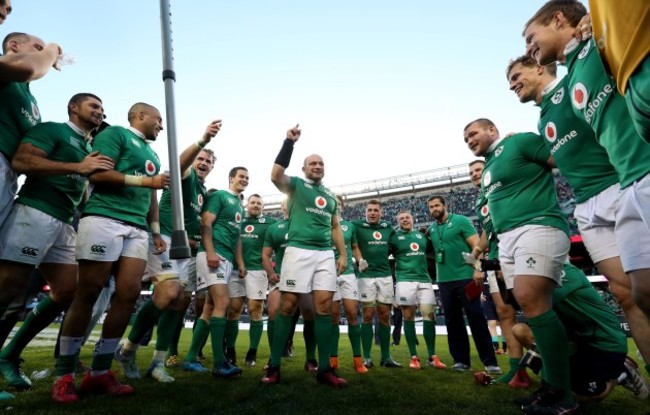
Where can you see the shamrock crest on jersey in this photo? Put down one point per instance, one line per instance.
(344, 228)
(558, 96)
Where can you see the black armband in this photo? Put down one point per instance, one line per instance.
(284, 156)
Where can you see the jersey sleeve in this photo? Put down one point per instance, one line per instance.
(466, 228)
(268, 237)
(213, 204)
(109, 143)
(38, 137)
(534, 148)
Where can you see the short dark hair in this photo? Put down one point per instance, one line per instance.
(483, 122)
(441, 198)
(18, 36)
(211, 153)
(528, 62)
(476, 162)
(78, 99)
(374, 202)
(137, 107)
(339, 199)
(573, 10)
(254, 195)
(234, 170)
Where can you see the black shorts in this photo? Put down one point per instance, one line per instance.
(592, 369)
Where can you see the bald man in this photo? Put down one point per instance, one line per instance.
(308, 265)
(112, 238)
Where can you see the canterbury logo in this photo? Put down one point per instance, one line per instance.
(98, 249)
(291, 283)
(166, 265)
(29, 251)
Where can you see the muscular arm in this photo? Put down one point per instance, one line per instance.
(474, 243)
(356, 253)
(116, 179)
(278, 176)
(28, 66)
(339, 243)
(188, 155)
(32, 161)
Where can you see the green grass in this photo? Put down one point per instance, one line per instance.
(381, 391)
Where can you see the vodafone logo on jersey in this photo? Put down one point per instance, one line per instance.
(414, 247)
(249, 228)
(485, 210)
(199, 200)
(320, 202)
(487, 178)
(550, 132)
(579, 96)
(377, 235)
(149, 167)
(237, 217)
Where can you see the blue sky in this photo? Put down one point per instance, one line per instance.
(380, 88)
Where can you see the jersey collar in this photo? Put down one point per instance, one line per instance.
(78, 130)
(494, 145)
(139, 134)
(551, 86)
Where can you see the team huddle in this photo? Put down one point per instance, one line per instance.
(594, 127)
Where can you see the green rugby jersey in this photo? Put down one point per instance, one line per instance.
(449, 239)
(409, 250)
(572, 143)
(226, 206)
(595, 99)
(132, 155)
(59, 195)
(193, 192)
(350, 237)
(585, 314)
(276, 237)
(311, 208)
(373, 244)
(519, 185)
(18, 113)
(252, 234)
(483, 213)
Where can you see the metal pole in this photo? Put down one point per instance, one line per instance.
(180, 247)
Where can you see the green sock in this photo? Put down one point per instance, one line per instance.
(323, 331)
(366, 339)
(309, 333)
(232, 331)
(65, 364)
(37, 320)
(281, 335)
(334, 337)
(178, 317)
(201, 332)
(270, 333)
(144, 320)
(429, 332)
(514, 367)
(384, 340)
(553, 344)
(411, 339)
(167, 328)
(217, 332)
(255, 333)
(354, 333)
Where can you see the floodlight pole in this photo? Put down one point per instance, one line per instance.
(180, 247)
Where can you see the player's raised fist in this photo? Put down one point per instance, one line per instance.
(294, 133)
